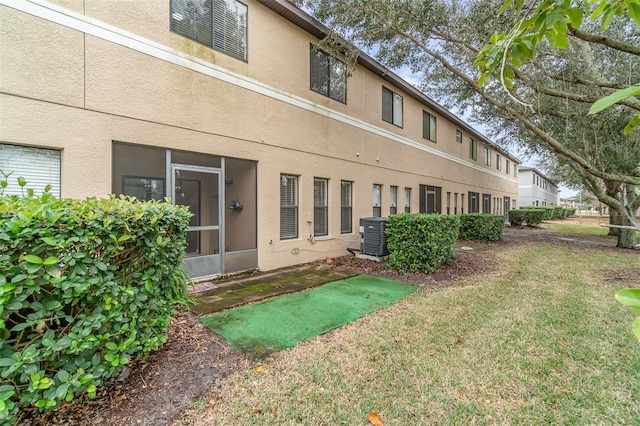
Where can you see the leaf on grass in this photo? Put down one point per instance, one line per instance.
(629, 296)
(564, 390)
(261, 368)
(375, 419)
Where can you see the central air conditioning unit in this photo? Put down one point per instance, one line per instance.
(373, 240)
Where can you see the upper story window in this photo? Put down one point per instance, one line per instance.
(429, 126)
(498, 161)
(328, 75)
(220, 24)
(508, 166)
(473, 149)
(458, 136)
(487, 156)
(391, 107)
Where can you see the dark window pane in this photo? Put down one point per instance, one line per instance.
(387, 105)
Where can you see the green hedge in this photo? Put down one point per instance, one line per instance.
(84, 287)
(532, 217)
(421, 242)
(548, 211)
(487, 227)
(552, 212)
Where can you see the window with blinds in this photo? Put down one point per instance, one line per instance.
(393, 200)
(377, 196)
(288, 207)
(407, 200)
(328, 75)
(220, 24)
(320, 207)
(38, 167)
(346, 200)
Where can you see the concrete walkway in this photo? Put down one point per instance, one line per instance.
(217, 295)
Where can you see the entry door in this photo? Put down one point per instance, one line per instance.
(507, 205)
(200, 188)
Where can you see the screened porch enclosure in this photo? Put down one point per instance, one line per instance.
(220, 192)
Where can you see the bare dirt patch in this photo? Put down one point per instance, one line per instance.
(156, 390)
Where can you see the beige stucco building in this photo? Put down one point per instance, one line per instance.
(226, 106)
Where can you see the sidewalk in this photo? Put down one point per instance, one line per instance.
(217, 295)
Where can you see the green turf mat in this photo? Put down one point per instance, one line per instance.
(284, 321)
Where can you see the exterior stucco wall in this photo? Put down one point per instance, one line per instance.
(80, 92)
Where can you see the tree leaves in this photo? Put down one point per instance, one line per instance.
(614, 98)
(550, 20)
(81, 292)
(631, 297)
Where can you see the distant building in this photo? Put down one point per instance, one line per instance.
(535, 189)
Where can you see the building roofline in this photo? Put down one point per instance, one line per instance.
(533, 169)
(302, 19)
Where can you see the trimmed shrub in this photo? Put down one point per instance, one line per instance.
(487, 227)
(558, 212)
(532, 217)
(85, 285)
(421, 242)
(548, 211)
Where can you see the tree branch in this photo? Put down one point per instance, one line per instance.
(552, 142)
(605, 41)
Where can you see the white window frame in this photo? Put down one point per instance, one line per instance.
(320, 207)
(39, 167)
(289, 202)
(346, 207)
(393, 200)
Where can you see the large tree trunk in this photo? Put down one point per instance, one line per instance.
(622, 206)
(627, 238)
(614, 219)
(612, 189)
(630, 200)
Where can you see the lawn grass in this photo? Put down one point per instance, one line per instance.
(576, 227)
(541, 341)
(571, 229)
